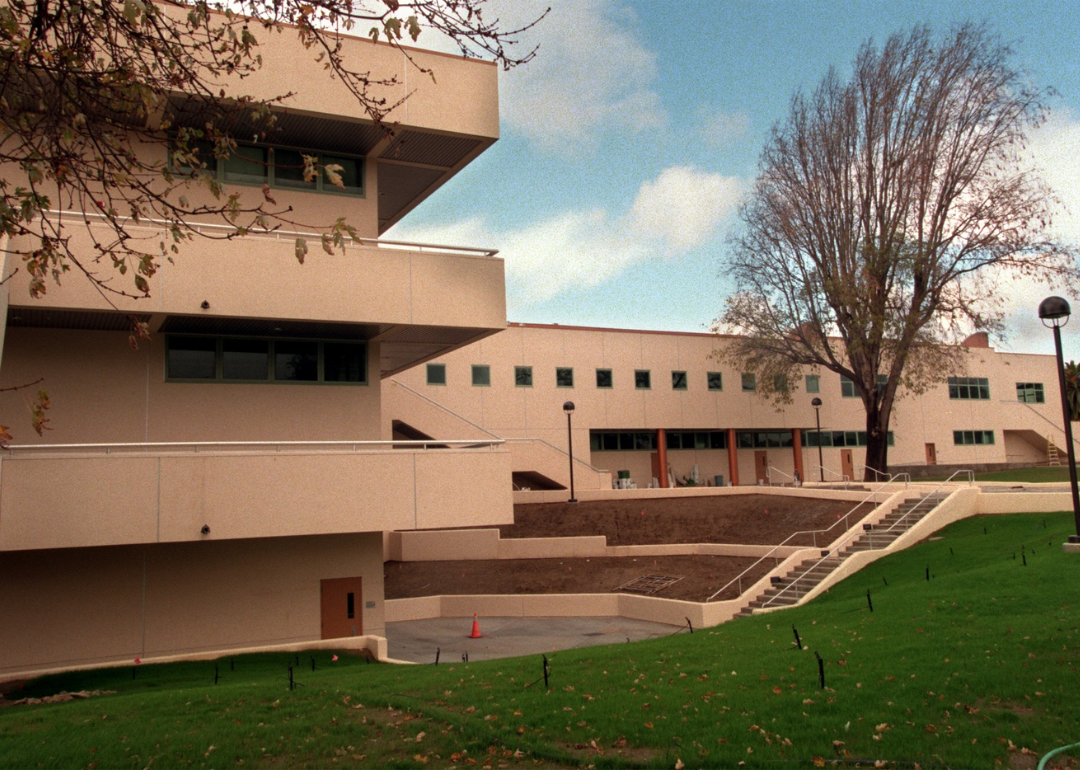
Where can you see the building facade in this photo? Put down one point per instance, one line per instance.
(645, 400)
(227, 484)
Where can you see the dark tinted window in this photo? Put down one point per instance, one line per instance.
(192, 358)
(296, 361)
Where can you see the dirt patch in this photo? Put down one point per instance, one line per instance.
(701, 576)
(756, 519)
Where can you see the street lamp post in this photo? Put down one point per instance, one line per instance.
(568, 407)
(1056, 310)
(816, 403)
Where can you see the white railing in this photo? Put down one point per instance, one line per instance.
(774, 553)
(878, 475)
(839, 476)
(769, 474)
(558, 449)
(196, 447)
(274, 233)
(436, 404)
(852, 535)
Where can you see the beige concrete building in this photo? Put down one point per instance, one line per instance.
(641, 395)
(227, 485)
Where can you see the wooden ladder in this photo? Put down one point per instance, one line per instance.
(1052, 452)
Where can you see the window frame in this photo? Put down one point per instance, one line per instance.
(215, 167)
(434, 368)
(678, 376)
(520, 370)
(749, 382)
(271, 348)
(643, 376)
(816, 380)
(719, 381)
(485, 370)
(610, 379)
(1033, 389)
(560, 371)
(973, 438)
(969, 388)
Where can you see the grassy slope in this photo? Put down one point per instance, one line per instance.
(944, 672)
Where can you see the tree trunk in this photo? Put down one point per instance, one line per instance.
(877, 446)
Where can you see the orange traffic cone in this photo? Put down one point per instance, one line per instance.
(475, 629)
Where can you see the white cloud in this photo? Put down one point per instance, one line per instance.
(676, 212)
(719, 129)
(683, 206)
(1054, 147)
(592, 74)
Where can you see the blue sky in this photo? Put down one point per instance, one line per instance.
(627, 144)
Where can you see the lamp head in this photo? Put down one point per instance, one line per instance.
(568, 407)
(1056, 310)
(816, 403)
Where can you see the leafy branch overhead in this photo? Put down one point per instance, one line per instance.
(889, 212)
(115, 110)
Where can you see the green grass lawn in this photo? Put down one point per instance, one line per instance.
(974, 668)
(1059, 474)
(1047, 475)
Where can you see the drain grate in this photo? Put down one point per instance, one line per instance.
(648, 584)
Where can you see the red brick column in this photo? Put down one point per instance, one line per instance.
(732, 458)
(661, 451)
(796, 448)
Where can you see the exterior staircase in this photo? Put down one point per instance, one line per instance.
(1051, 451)
(792, 587)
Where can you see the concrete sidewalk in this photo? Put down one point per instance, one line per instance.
(417, 640)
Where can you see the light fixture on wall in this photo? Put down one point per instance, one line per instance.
(205, 529)
(568, 407)
(205, 304)
(816, 403)
(1057, 311)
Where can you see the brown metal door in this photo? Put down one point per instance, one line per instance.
(847, 467)
(761, 466)
(341, 603)
(931, 455)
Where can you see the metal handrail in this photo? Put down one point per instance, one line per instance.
(841, 476)
(847, 541)
(560, 450)
(768, 475)
(435, 403)
(276, 233)
(813, 532)
(196, 446)
(467, 421)
(878, 474)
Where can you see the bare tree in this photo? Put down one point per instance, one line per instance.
(887, 212)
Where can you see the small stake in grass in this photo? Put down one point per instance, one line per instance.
(798, 641)
(689, 624)
(438, 651)
(951, 551)
(547, 670)
(465, 657)
(291, 685)
(215, 673)
(927, 574)
(312, 662)
(1024, 557)
(883, 580)
(869, 603)
(820, 669)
